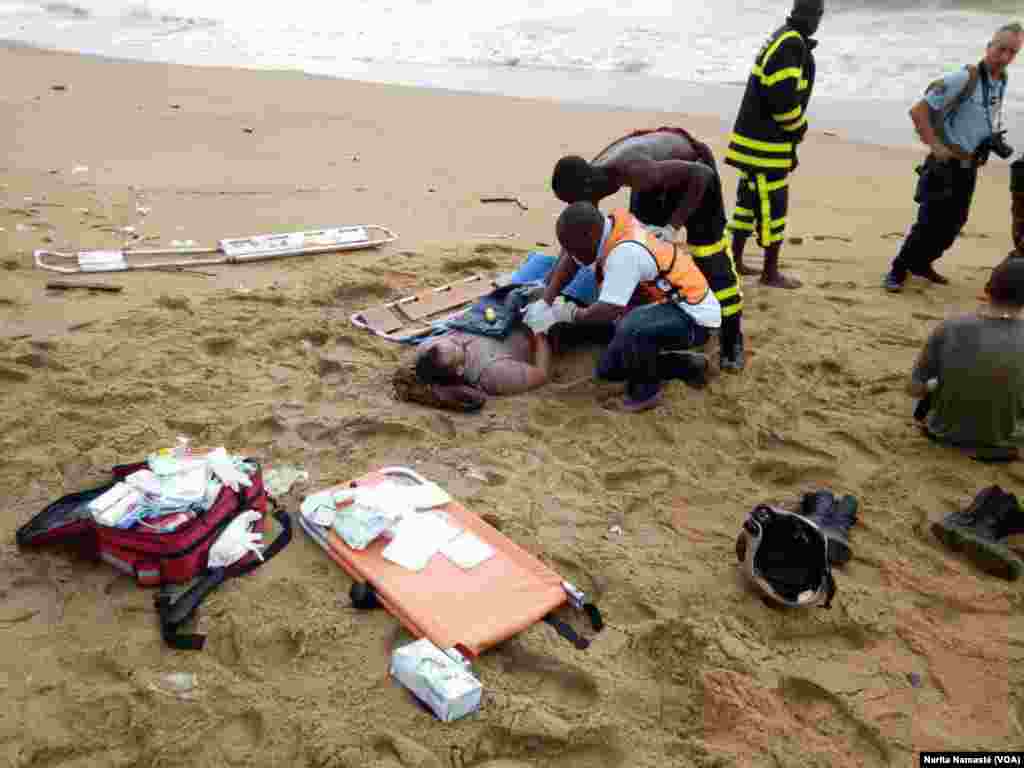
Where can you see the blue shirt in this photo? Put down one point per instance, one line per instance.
(974, 121)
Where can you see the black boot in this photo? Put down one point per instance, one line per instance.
(981, 531)
(835, 518)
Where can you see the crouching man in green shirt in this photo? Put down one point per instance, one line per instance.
(972, 371)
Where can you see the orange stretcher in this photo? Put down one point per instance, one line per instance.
(465, 610)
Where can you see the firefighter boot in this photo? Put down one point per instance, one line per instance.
(981, 530)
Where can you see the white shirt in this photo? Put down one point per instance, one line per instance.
(630, 264)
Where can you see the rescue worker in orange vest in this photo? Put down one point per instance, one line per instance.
(677, 309)
(674, 184)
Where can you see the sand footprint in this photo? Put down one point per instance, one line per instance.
(238, 740)
(545, 678)
(539, 745)
(827, 713)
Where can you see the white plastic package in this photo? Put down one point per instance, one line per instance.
(445, 685)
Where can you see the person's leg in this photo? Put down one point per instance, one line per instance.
(938, 221)
(717, 265)
(953, 223)
(773, 198)
(632, 355)
(742, 223)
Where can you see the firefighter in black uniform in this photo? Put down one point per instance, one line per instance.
(771, 123)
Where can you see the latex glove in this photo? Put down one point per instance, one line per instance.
(564, 311)
(539, 316)
(237, 541)
(226, 471)
(667, 233)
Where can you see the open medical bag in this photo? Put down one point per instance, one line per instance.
(160, 559)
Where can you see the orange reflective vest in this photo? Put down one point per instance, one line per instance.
(679, 278)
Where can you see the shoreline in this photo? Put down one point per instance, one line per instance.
(877, 122)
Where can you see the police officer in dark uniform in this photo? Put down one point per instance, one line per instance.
(771, 123)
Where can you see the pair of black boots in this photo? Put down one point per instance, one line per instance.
(835, 517)
(982, 529)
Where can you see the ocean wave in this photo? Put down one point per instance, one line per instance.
(69, 10)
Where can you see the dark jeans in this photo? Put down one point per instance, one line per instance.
(942, 213)
(642, 334)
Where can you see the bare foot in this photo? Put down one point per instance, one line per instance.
(779, 280)
(743, 269)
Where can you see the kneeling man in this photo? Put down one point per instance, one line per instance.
(677, 309)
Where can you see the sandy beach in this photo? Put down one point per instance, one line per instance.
(919, 651)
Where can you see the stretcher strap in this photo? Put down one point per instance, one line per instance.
(581, 643)
(174, 612)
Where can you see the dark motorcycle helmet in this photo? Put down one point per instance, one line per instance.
(785, 556)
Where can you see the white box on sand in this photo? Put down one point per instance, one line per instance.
(439, 681)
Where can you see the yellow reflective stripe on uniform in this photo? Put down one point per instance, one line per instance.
(742, 211)
(761, 146)
(774, 79)
(744, 225)
(771, 186)
(703, 251)
(766, 208)
(795, 126)
(760, 162)
(775, 46)
(776, 223)
(785, 117)
(803, 85)
(732, 310)
(727, 293)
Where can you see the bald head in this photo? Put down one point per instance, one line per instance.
(579, 230)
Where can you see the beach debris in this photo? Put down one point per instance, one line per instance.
(830, 133)
(184, 270)
(59, 87)
(489, 236)
(53, 171)
(355, 158)
(182, 243)
(279, 480)
(615, 530)
(796, 241)
(175, 106)
(128, 230)
(472, 472)
(247, 130)
(143, 210)
(70, 285)
(174, 302)
(182, 685)
(80, 169)
(915, 680)
(542, 244)
(840, 238)
(22, 227)
(504, 199)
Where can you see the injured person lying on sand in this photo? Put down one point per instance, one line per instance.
(488, 351)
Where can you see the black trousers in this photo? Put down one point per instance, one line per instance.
(655, 208)
(944, 195)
